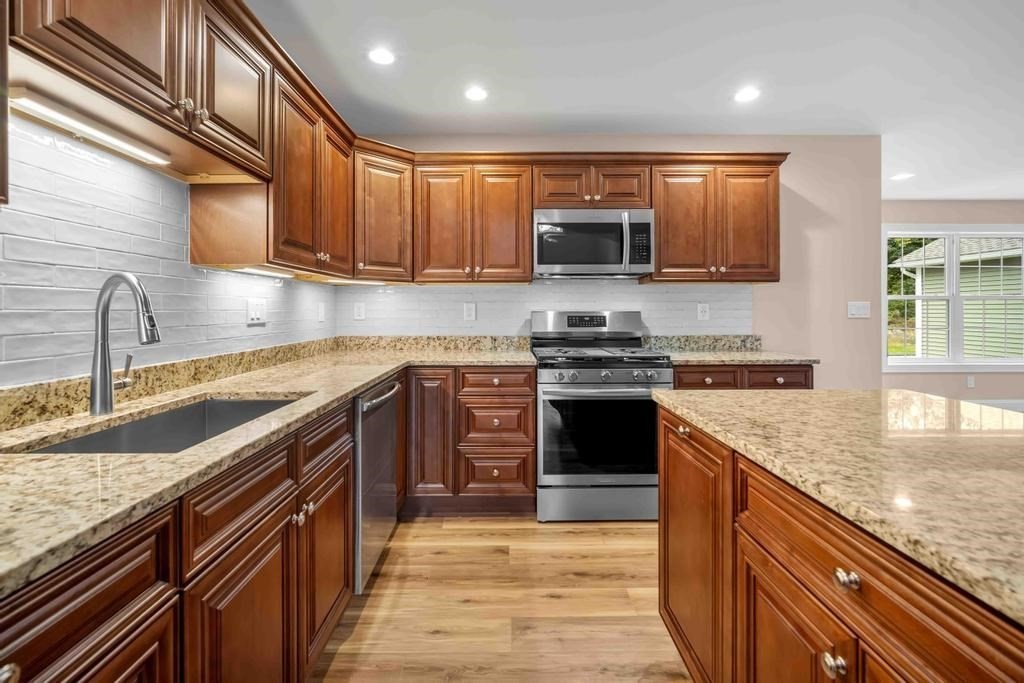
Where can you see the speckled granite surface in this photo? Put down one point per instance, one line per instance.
(54, 506)
(938, 479)
(705, 342)
(739, 358)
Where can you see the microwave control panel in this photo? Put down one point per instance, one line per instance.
(640, 243)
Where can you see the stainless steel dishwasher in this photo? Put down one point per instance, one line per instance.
(376, 492)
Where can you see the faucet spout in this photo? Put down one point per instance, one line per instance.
(101, 389)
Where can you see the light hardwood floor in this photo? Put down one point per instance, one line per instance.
(508, 599)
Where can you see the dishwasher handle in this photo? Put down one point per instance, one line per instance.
(370, 405)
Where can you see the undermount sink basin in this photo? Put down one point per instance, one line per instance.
(173, 430)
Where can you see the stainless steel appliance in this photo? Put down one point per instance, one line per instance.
(597, 450)
(572, 243)
(376, 492)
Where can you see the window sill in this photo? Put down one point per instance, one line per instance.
(963, 368)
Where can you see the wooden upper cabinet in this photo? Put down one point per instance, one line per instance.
(135, 52)
(443, 237)
(685, 230)
(336, 205)
(231, 90)
(383, 218)
(562, 187)
(502, 224)
(748, 220)
(295, 214)
(622, 186)
(783, 633)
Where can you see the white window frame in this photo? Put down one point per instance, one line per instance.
(956, 362)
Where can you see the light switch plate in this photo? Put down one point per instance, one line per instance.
(970, 381)
(255, 312)
(703, 312)
(321, 313)
(359, 311)
(858, 309)
(469, 311)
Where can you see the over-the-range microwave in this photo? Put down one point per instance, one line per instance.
(573, 243)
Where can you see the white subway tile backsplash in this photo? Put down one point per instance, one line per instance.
(74, 233)
(40, 251)
(164, 250)
(28, 225)
(131, 225)
(42, 204)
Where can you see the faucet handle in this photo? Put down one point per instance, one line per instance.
(125, 380)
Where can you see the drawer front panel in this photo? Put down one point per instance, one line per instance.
(912, 618)
(88, 602)
(496, 421)
(496, 471)
(713, 377)
(519, 381)
(779, 377)
(220, 511)
(320, 439)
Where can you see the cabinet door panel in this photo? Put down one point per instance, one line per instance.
(232, 85)
(383, 218)
(561, 187)
(149, 655)
(444, 250)
(326, 555)
(748, 220)
(296, 170)
(502, 224)
(783, 633)
(431, 432)
(622, 186)
(496, 471)
(684, 224)
(240, 614)
(4, 17)
(336, 206)
(138, 57)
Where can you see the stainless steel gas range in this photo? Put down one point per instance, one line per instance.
(597, 450)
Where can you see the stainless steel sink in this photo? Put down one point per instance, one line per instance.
(173, 430)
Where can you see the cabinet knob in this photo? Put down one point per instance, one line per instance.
(185, 104)
(467, 269)
(361, 266)
(586, 197)
(722, 269)
(708, 380)
(845, 581)
(495, 472)
(327, 257)
(597, 197)
(496, 381)
(834, 667)
(780, 380)
(301, 519)
(683, 431)
(713, 269)
(11, 673)
(496, 422)
(202, 115)
(477, 270)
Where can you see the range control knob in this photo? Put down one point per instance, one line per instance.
(573, 376)
(652, 375)
(560, 376)
(606, 375)
(638, 376)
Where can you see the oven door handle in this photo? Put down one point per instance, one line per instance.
(596, 393)
(625, 241)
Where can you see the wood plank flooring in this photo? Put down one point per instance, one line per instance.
(508, 599)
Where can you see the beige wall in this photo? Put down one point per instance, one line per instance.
(831, 209)
(988, 385)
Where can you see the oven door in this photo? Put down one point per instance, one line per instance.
(608, 242)
(596, 435)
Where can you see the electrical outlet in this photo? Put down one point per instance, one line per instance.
(469, 311)
(359, 311)
(858, 309)
(970, 381)
(703, 312)
(321, 313)
(255, 312)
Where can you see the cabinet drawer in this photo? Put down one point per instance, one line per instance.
(518, 381)
(496, 471)
(712, 377)
(220, 511)
(320, 439)
(778, 377)
(75, 616)
(911, 618)
(497, 421)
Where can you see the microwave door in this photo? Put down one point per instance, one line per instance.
(566, 246)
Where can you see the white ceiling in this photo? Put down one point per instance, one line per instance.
(940, 80)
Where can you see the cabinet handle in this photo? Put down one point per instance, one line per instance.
(713, 269)
(202, 115)
(845, 581)
(301, 519)
(722, 269)
(708, 380)
(11, 673)
(496, 422)
(327, 257)
(780, 380)
(310, 505)
(597, 197)
(496, 381)
(834, 667)
(477, 270)
(467, 269)
(683, 431)
(186, 105)
(361, 266)
(586, 197)
(295, 519)
(495, 472)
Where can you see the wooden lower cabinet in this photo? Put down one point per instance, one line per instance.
(431, 453)
(744, 377)
(150, 655)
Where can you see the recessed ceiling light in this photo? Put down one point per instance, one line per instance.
(902, 176)
(476, 93)
(381, 55)
(747, 94)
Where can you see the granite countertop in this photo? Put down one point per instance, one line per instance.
(739, 358)
(938, 479)
(54, 506)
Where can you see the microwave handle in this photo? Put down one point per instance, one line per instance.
(625, 241)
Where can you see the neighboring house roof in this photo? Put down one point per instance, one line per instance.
(984, 249)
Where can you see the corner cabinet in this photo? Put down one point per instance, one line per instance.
(383, 218)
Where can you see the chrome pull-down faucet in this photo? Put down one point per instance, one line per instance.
(101, 388)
